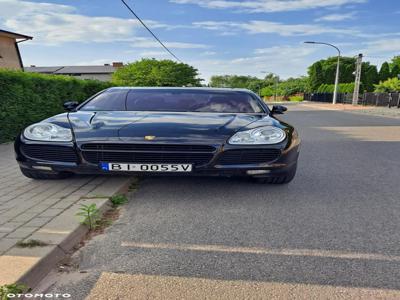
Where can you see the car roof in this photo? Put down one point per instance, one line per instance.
(210, 89)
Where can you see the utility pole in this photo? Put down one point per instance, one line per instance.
(357, 80)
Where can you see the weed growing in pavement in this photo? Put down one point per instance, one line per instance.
(90, 214)
(31, 243)
(118, 200)
(134, 184)
(15, 288)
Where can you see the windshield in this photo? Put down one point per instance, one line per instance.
(175, 101)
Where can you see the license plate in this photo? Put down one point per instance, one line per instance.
(146, 167)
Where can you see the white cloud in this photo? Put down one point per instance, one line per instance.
(256, 6)
(155, 54)
(284, 60)
(255, 27)
(288, 51)
(336, 17)
(51, 23)
(100, 61)
(141, 42)
(382, 46)
(16, 7)
(208, 53)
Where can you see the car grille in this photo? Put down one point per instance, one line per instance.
(50, 153)
(148, 153)
(248, 156)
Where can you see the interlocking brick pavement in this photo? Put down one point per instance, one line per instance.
(26, 205)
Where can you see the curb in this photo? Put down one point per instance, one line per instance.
(30, 265)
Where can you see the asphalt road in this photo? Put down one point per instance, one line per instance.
(333, 232)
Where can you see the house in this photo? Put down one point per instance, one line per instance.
(10, 57)
(102, 73)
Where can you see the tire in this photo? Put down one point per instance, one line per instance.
(283, 179)
(42, 175)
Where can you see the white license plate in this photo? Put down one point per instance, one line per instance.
(146, 167)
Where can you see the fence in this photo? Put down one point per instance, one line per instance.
(375, 99)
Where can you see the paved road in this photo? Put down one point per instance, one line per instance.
(334, 232)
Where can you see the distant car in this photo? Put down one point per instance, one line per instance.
(153, 131)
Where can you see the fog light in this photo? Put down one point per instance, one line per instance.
(257, 172)
(44, 168)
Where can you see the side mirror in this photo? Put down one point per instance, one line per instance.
(278, 109)
(70, 105)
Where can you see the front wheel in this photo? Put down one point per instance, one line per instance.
(43, 175)
(281, 179)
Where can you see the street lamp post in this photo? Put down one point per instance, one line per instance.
(335, 91)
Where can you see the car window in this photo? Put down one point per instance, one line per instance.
(108, 100)
(192, 101)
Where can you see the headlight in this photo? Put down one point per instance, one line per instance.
(48, 132)
(259, 136)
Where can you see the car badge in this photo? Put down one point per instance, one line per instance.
(149, 137)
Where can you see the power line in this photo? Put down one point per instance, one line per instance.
(151, 32)
(375, 56)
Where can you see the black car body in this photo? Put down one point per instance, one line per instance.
(144, 135)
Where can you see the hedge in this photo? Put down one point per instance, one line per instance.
(343, 88)
(26, 98)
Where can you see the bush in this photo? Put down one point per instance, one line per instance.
(296, 98)
(388, 86)
(26, 98)
(343, 88)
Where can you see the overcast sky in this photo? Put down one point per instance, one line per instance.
(215, 36)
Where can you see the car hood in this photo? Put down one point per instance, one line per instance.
(165, 127)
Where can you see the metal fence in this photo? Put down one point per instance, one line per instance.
(375, 99)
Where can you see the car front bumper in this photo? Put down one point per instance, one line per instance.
(286, 162)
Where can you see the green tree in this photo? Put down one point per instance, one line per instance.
(369, 73)
(369, 77)
(271, 79)
(236, 81)
(395, 62)
(316, 76)
(384, 72)
(347, 67)
(293, 86)
(395, 71)
(152, 72)
(267, 91)
(220, 81)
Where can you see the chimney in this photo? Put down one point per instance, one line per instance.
(117, 64)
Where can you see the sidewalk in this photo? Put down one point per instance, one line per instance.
(44, 211)
(393, 112)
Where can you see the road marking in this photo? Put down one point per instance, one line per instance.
(264, 251)
(139, 286)
(368, 133)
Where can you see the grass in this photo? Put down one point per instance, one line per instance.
(117, 200)
(31, 244)
(134, 184)
(15, 288)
